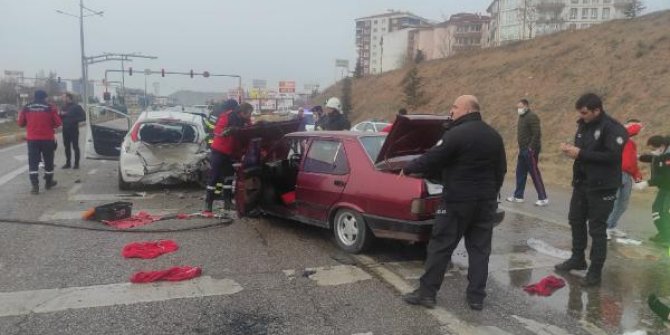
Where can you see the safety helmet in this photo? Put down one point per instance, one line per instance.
(334, 103)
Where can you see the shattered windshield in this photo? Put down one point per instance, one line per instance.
(167, 133)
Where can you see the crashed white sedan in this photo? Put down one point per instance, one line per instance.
(161, 147)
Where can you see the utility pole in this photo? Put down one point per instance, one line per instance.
(84, 74)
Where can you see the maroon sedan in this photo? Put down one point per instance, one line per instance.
(346, 181)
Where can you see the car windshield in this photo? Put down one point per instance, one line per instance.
(372, 145)
(167, 133)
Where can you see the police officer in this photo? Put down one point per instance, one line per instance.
(596, 177)
(40, 120)
(471, 157)
(223, 149)
(72, 114)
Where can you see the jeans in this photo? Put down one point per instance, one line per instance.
(621, 202)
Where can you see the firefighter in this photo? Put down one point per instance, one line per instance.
(223, 148)
(40, 119)
(210, 121)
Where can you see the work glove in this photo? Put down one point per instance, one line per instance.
(641, 185)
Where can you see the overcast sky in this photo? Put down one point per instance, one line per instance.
(262, 39)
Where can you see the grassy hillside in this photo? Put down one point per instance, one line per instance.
(625, 61)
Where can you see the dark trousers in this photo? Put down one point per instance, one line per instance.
(221, 170)
(71, 141)
(41, 150)
(527, 164)
(592, 207)
(472, 220)
(660, 213)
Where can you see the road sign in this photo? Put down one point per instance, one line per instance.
(342, 63)
(287, 87)
(259, 83)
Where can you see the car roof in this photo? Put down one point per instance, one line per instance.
(169, 114)
(338, 134)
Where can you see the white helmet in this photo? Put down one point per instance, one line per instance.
(334, 103)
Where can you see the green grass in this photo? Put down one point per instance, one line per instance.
(9, 127)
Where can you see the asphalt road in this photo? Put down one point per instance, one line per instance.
(270, 276)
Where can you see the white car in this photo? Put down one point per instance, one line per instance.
(161, 147)
(370, 126)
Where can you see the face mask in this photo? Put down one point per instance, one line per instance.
(657, 152)
(521, 111)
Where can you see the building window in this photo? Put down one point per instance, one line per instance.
(575, 1)
(607, 1)
(375, 22)
(594, 13)
(585, 13)
(573, 13)
(606, 13)
(374, 30)
(584, 2)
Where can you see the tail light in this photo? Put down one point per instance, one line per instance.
(134, 134)
(418, 206)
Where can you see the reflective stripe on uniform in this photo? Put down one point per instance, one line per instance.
(34, 172)
(211, 187)
(48, 172)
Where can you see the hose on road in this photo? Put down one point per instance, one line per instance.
(219, 224)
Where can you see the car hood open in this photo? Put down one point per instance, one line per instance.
(412, 135)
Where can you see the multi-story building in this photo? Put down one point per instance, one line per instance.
(370, 33)
(513, 20)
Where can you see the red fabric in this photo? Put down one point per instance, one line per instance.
(387, 129)
(40, 120)
(176, 273)
(546, 286)
(149, 249)
(139, 219)
(288, 198)
(629, 155)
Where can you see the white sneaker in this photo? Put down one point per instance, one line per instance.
(618, 233)
(542, 203)
(513, 199)
(609, 234)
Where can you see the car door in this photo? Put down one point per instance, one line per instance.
(107, 127)
(322, 178)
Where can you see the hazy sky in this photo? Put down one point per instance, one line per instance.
(262, 39)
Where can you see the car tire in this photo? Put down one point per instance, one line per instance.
(351, 233)
(123, 185)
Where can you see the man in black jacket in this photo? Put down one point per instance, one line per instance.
(596, 177)
(471, 156)
(71, 115)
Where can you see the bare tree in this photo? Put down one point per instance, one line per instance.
(634, 9)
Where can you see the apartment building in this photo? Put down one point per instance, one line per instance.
(513, 20)
(370, 33)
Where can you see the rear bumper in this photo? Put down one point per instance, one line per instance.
(415, 231)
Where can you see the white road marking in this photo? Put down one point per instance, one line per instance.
(60, 299)
(13, 147)
(337, 275)
(540, 217)
(21, 158)
(63, 215)
(11, 175)
(368, 333)
(93, 171)
(74, 190)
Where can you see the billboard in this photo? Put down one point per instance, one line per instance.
(342, 63)
(287, 87)
(259, 83)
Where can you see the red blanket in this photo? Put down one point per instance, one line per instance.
(139, 219)
(148, 249)
(176, 273)
(545, 287)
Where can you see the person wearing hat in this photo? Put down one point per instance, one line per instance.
(224, 147)
(334, 119)
(40, 119)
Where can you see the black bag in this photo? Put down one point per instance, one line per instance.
(114, 211)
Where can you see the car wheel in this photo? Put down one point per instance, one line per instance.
(351, 233)
(123, 185)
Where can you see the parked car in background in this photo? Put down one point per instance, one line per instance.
(346, 181)
(7, 110)
(370, 126)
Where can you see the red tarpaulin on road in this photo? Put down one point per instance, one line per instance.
(546, 287)
(148, 249)
(139, 219)
(176, 273)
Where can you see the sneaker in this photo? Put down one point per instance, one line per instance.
(514, 199)
(571, 264)
(618, 233)
(542, 203)
(609, 234)
(76, 167)
(416, 298)
(66, 166)
(51, 184)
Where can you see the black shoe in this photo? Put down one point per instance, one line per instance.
(35, 190)
(475, 305)
(591, 279)
(416, 298)
(76, 167)
(571, 264)
(66, 166)
(51, 184)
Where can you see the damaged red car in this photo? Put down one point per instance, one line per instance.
(345, 181)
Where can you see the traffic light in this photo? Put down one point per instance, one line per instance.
(107, 96)
(59, 79)
(191, 73)
(162, 72)
(130, 71)
(205, 74)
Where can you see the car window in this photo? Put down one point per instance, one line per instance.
(166, 133)
(380, 125)
(326, 156)
(369, 127)
(373, 145)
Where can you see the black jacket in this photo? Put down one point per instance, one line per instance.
(335, 121)
(660, 171)
(472, 158)
(601, 142)
(529, 134)
(71, 115)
